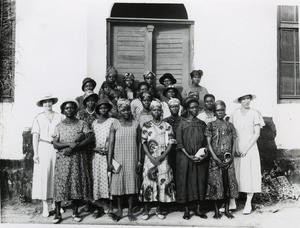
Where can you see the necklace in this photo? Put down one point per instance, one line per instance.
(91, 113)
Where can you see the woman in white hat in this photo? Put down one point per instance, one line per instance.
(44, 153)
(247, 123)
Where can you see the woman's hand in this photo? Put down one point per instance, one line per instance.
(110, 168)
(154, 161)
(104, 151)
(139, 167)
(73, 145)
(80, 137)
(36, 159)
(243, 152)
(97, 150)
(219, 162)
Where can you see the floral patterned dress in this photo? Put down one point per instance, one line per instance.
(100, 176)
(71, 179)
(221, 182)
(158, 182)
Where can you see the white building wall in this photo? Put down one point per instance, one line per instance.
(59, 42)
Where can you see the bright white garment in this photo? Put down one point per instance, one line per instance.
(43, 172)
(248, 169)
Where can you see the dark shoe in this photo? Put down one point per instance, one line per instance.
(97, 214)
(57, 219)
(76, 218)
(186, 215)
(201, 215)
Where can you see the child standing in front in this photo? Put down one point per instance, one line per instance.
(221, 139)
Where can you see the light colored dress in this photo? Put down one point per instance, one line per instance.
(43, 172)
(99, 161)
(136, 107)
(125, 153)
(248, 169)
(158, 184)
(206, 118)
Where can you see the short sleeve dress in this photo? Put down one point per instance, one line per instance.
(100, 176)
(191, 178)
(71, 179)
(125, 153)
(248, 169)
(43, 172)
(158, 184)
(221, 182)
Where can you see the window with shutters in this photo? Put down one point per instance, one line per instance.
(7, 49)
(288, 54)
(156, 37)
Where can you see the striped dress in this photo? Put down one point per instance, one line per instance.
(125, 153)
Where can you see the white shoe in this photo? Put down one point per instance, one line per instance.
(232, 206)
(62, 210)
(247, 209)
(45, 214)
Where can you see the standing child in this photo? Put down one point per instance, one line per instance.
(221, 139)
(101, 128)
(87, 84)
(123, 148)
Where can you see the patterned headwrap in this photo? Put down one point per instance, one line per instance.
(145, 95)
(149, 72)
(128, 76)
(173, 101)
(123, 103)
(111, 70)
(155, 103)
(193, 94)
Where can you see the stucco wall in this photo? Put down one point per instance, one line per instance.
(59, 42)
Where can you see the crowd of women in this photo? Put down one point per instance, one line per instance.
(151, 145)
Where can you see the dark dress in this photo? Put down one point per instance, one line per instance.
(221, 182)
(71, 179)
(174, 122)
(80, 102)
(190, 177)
(88, 156)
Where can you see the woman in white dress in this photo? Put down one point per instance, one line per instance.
(247, 123)
(44, 153)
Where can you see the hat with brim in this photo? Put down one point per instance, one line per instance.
(253, 96)
(39, 103)
(167, 75)
(62, 106)
(168, 88)
(101, 102)
(86, 80)
(189, 100)
(89, 94)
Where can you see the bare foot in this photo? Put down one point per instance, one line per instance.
(217, 216)
(131, 217)
(228, 215)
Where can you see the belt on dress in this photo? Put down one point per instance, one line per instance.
(45, 141)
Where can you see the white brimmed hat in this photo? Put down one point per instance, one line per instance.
(47, 96)
(253, 96)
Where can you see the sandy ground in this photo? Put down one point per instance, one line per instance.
(283, 214)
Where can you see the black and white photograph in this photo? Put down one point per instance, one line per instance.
(149, 113)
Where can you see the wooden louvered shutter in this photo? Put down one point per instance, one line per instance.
(130, 50)
(171, 52)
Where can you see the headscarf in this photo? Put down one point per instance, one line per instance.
(111, 70)
(149, 72)
(173, 101)
(145, 95)
(155, 103)
(123, 103)
(128, 76)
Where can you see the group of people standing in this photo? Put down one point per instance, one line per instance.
(149, 144)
